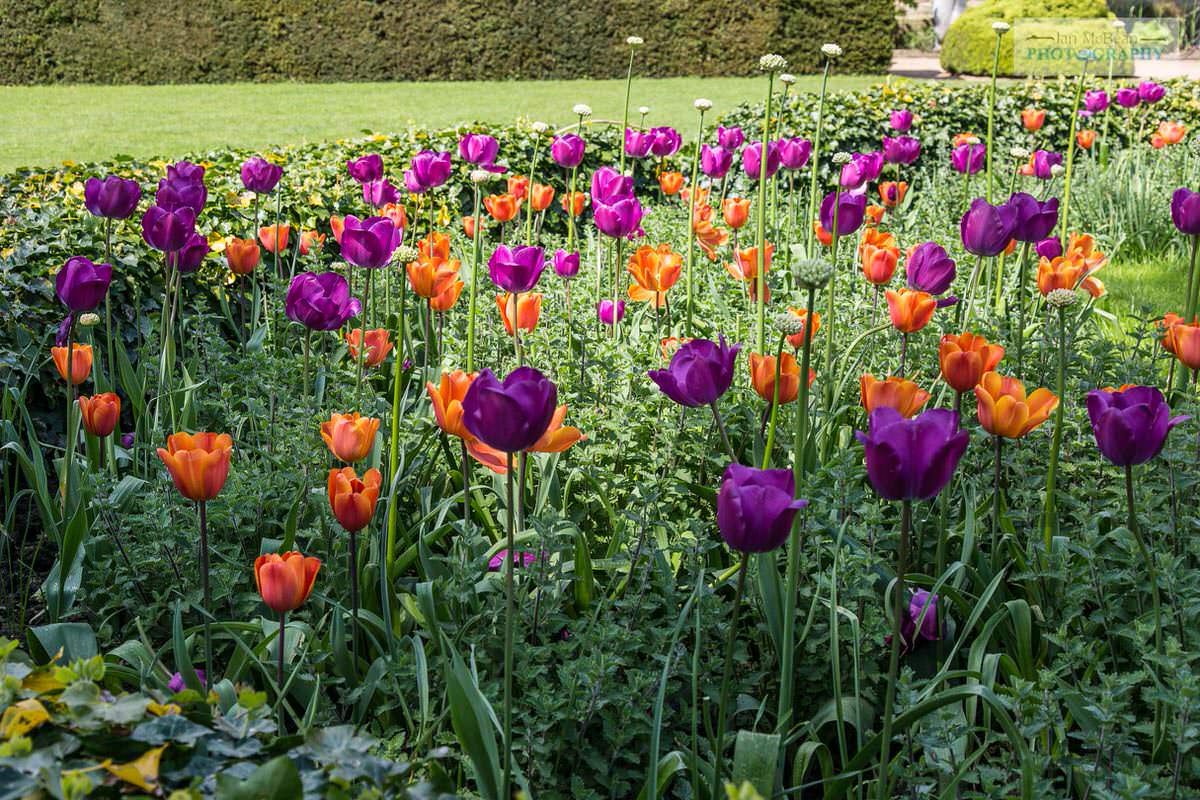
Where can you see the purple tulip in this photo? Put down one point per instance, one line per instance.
(566, 265)
(260, 176)
(901, 120)
(366, 169)
(901, 149)
(320, 302)
(127, 440)
(168, 230)
(188, 258)
(1150, 92)
(177, 683)
(730, 138)
(113, 197)
(516, 269)
(63, 334)
(1035, 219)
(379, 193)
(479, 149)
(752, 159)
(912, 459)
(186, 171)
(1050, 248)
(1128, 98)
(1044, 163)
(930, 269)
(620, 219)
(176, 193)
(699, 372)
(368, 242)
(427, 170)
(567, 150)
(920, 602)
(510, 416)
(521, 558)
(968, 158)
(851, 209)
(1095, 101)
(987, 229)
(755, 508)
(609, 186)
(794, 153)
(666, 141)
(861, 169)
(81, 285)
(715, 161)
(604, 310)
(638, 143)
(1185, 211)
(1130, 426)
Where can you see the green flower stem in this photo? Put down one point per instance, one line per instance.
(691, 229)
(898, 610)
(475, 257)
(1022, 268)
(997, 488)
(721, 430)
(506, 784)
(1050, 510)
(830, 318)
(278, 664)
(354, 597)
(307, 348)
(625, 114)
(992, 112)
(394, 452)
(362, 339)
(1152, 576)
(209, 675)
(761, 276)
(815, 159)
(1193, 290)
(969, 297)
(529, 205)
(727, 674)
(1066, 204)
(69, 456)
(766, 461)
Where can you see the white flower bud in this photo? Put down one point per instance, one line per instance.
(1019, 153)
(1000, 26)
(772, 62)
(811, 273)
(789, 324)
(539, 127)
(643, 110)
(842, 157)
(406, 253)
(480, 176)
(1061, 298)
(787, 79)
(89, 319)
(1057, 169)
(702, 104)
(581, 110)
(972, 140)
(634, 41)
(831, 50)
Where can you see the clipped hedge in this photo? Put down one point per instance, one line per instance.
(969, 45)
(220, 41)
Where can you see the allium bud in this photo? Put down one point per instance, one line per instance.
(581, 110)
(1056, 170)
(1062, 298)
(702, 104)
(1000, 27)
(634, 41)
(406, 253)
(787, 79)
(842, 157)
(480, 176)
(1019, 153)
(643, 109)
(831, 50)
(539, 127)
(789, 324)
(772, 62)
(811, 273)
(89, 320)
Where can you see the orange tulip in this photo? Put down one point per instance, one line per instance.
(434, 246)
(964, 138)
(735, 211)
(709, 236)
(1170, 321)
(654, 270)
(518, 186)
(879, 263)
(311, 240)
(353, 500)
(669, 345)
(891, 193)
(796, 340)
(446, 300)
(877, 238)
(910, 310)
(873, 215)
(100, 413)
(527, 310)
(447, 398)
(898, 393)
(746, 266)
(762, 377)
(823, 236)
(1033, 119)
(1184, 341)
(378, 345)
(558, 437)
(241, 255)
(541, 196)
(81, 361)
(1004, 410)
(198, 463)
(1066, 272)
(395, 212)
(670, 182)
(1086, 139)
(337, 225)
(1169, 133)
(502, 207)
(468, 226)
(573, 203)
(964, 358)
(274, 238)
(429, 277)
(285, 581)
(349, 436)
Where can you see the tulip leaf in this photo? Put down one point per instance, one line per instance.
(75, 640)
(755, 756)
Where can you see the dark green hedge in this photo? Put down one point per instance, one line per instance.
(214, 41)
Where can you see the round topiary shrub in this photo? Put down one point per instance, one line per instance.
(968, 46)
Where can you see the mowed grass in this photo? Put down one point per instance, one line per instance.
(44, 125)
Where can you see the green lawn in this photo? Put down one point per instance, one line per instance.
(43, 125)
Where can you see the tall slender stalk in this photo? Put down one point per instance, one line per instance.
(1050, 508)
(475, 257)
(816, 158)
(1064, 232)
(992, 108)
(761, 276)
(354, 597)
(885, 744)
(204, 569)
(69, 456)
(1152, 576)
(506, 784)
(1022, 267)
(727, 673)
(691, 229)
(829, 311)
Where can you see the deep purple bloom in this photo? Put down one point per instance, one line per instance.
(752, 159)
(127, 440)
(320, 301)
(730, 138)
(510, 416)
(794, 153)
(987, 229)
(638, 143)
(1130, 426)
(755, 508)
(1128, 98)
(521, 558)
(901, 120)
(113, 197)
(1150, 92)
(260, 176)
(567, 150)
(608, 186)
(901, 149)
(188, 258)
(368, 242)
(715, 161)
(920, 602)
(1050, 248)
(621, 218)
(930, 269)
(168, 230)
(604, 310)
(177, 683)
(379, 193)
(912, 459)
(862, 168)
(699, 372)
(1185, 211)
(63, 334)
(366, 169)
(1095, 101)
(81, 285)
(479, 149)
(852, 207)
(1035, 219)
(1044, 163)
(566, 265)
(665, 141)
(427, 170)
(186, 171)
(968, 158)
(516, 269)
(176, 193)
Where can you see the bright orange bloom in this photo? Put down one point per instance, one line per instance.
(670, 182)
(1086, 139)
(468, 226)
(910, 310)
(823, 236)
(1121, 388)
(1004, 410)
(429, 277)
(1033, 119)
(541, 196)
(964, 358)
(879, 263)
(350, 436)
(337, 225)
(1168, 133)
(558, 437)
(446, 300)
(81, 363)
(573, 203)
(241, 255)
(1166, 323)
(898, 393)
(447, 401)
(439, 249)
(396, 213)
(311, 240)
(1185, 343)
(518, 186)
(796, 340)
(735, 211)
(1082, 247)
(1010, 247)
(378, 345)
(274, 238)
(654, 270)
(762, 377)
(1066, 272)
(876, 237)
(100, 413)
(502, 207)
(963, 138)
(891, 193)
(527, 310)
(873, 215)
(285, 581)
(198, 463)
(353, 500)
(709, 236)
(669, 345)
(746, 266)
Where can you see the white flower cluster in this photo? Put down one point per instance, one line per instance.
(772, 62)
(405, 253)
(480, 176)
(581, 110)
(634, 41)
(539, 127)
(643, 110)
(830, 50)
(1000, 27)
(841, 157)
(702, 104)
(787, 79)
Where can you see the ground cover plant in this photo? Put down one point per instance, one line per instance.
(615, 461)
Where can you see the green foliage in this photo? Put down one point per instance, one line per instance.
(969, 44)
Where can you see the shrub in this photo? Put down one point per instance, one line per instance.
(968, 46)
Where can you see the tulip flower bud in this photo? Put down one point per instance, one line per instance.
(772, 62)
(811, 273)
(830, 50)
(89, 320)
(634, 41)
(1062, 298)
(702, 104)
(581, 109)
